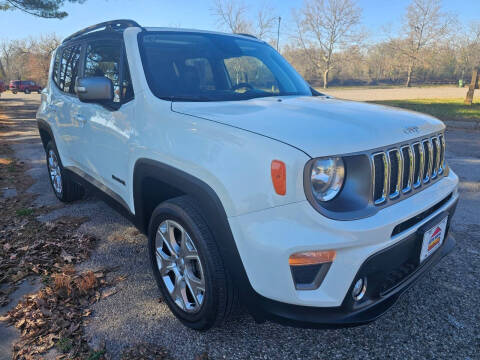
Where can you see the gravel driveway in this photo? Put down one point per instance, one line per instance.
(439, 318)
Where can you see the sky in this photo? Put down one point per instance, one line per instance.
(197, 14)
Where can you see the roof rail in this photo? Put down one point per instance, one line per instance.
(108, 25)
(245, 34)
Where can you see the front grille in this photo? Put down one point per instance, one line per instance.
(402, 169)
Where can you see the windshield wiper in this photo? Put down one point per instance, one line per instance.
(187, 99)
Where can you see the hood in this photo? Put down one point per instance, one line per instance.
(319, 126)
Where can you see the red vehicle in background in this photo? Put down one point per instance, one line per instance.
(26, 86)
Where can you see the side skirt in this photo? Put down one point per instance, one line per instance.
(111, 198)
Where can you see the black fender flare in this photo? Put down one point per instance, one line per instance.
(44, 126)
(212, 210)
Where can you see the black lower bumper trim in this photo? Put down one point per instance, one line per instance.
(381, 296)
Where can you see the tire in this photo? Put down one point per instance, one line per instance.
(39, 91)
(27, 91)
(64, 188)
(219, 298)
(14, 92)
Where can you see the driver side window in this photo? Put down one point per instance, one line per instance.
(252, 71)
(103, 59)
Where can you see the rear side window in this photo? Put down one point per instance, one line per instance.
(103, 59)
(69, 65)
(56, 66)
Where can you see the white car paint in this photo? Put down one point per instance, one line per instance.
(320, 126)
(230, 146)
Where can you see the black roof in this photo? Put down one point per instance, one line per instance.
(113, 25)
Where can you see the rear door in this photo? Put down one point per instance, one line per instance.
(109, 127)
(66, 106)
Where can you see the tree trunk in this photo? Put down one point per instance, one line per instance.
(409, 75)
(325, 78)
(2, 71)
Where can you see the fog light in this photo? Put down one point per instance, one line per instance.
(359, 289)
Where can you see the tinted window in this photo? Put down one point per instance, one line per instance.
(252, 71)
(202, 69)
(212, 67)
(103, 59)
(69, 68)
(127, 87)
(56, 66)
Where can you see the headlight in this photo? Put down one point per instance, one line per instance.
(326, 178)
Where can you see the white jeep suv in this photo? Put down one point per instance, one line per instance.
(252, 187)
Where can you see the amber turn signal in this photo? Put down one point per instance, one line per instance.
(312, 257)
(279, 177)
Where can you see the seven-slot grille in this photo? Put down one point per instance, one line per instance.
(402, 169)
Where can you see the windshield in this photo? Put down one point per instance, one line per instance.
(182, 66)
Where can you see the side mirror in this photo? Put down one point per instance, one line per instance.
(94, 89)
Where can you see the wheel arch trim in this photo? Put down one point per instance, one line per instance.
(43, 125)
(212, 210)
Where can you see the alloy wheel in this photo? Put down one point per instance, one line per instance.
(55, 172)
(180, 266)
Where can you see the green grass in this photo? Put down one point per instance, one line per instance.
(64, 345)
(11, 167)
(444, 109)
(24, 212)
(96, 355)
(381, 86)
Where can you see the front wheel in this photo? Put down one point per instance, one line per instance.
(187, 265)
(65, 189)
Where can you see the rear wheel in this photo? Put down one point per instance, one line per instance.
(63, 186)
(188, 267)
(14, 91)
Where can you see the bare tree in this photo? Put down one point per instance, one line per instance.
(40, 52)
(424, 24)
(27, 58)
(232, 15)
(265, 21)
(468, 47)
(324, 27)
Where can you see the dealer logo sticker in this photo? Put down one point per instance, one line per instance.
(435, 238)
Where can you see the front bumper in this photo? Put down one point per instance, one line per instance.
(368, 247)
(374, 305)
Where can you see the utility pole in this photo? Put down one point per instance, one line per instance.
(278, 32)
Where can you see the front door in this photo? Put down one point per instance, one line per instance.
(108, 127)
